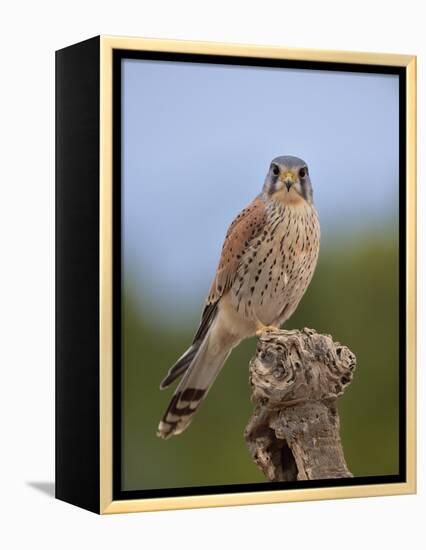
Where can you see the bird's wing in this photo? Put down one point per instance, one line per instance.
(246, 227)
(201, 363)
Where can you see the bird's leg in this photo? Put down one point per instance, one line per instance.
(261, 328)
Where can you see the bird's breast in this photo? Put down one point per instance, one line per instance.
(277, 267)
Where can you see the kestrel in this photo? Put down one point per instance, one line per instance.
(267, 262)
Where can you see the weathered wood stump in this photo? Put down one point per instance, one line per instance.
(296, 378)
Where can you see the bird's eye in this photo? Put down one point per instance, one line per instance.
(302, 172)
(275, 170)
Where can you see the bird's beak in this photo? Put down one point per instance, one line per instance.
(288, 180)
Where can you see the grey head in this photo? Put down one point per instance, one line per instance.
(288, 180)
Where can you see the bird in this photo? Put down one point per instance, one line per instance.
(268, 258)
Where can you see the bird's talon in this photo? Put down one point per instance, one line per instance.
(265, 328)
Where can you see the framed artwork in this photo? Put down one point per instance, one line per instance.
(244, 207)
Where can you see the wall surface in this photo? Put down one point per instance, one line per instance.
(29, 34)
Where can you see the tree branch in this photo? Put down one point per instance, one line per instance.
(296, 378)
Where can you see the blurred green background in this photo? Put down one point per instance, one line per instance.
(353, 296)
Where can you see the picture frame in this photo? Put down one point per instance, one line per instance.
(89, 239)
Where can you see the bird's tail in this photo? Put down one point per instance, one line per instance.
(201, 364)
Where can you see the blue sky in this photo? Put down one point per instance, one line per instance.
(198, 140)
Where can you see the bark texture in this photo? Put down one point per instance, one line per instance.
(296, 378)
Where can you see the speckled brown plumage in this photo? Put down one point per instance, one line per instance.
(277, 266)
(267, 262)
(246, 226)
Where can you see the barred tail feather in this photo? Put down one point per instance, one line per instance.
(184, 362)
(180, 366)
(194, 386)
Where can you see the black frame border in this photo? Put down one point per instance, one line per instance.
(77, 417)
(118, 56)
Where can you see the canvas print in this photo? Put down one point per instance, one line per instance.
(259, 266)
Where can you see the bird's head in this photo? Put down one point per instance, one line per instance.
(287, 181)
